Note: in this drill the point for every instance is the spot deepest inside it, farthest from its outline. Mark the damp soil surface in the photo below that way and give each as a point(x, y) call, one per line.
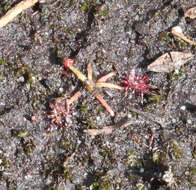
point(153, 142)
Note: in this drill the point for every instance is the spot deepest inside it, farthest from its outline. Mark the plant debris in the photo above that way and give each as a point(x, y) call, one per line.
point(12, 13)
point(104, 130)
point(168, 62)
point(191, 13)
point(177, 31)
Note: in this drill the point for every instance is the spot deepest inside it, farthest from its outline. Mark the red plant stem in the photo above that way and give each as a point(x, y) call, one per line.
point(106, 77)
point(105, 104)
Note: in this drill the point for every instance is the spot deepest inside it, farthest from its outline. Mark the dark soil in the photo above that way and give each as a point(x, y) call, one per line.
point(153, 145)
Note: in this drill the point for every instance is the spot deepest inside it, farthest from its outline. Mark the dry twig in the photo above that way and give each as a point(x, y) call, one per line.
point(12, 13)
point(106, 130)
point(177, 31)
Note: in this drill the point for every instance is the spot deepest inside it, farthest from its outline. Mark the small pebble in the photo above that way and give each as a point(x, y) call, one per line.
point(61, 90)
point(189, 121)
point(173, 120)
point(141, 170)
point(183, 108)
point(21, 79)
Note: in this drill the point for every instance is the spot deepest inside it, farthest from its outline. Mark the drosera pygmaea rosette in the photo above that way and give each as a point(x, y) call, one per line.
point(137, 83)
